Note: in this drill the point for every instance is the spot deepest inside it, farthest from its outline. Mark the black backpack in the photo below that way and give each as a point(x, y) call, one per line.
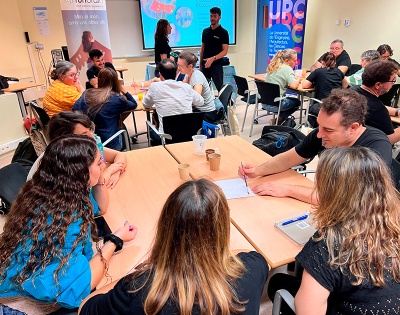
point(25, 151)
point(275, 142)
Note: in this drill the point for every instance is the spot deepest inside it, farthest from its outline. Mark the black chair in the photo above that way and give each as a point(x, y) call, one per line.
point(40, 114)
point(12, 178)
point(267, 93)
point(178, 128)
point(391, 98)
point(395, 168)
point(226, 99)
point(353, 69)
point(244, 91)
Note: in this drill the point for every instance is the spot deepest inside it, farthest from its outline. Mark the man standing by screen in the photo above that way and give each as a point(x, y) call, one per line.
point(214, 46)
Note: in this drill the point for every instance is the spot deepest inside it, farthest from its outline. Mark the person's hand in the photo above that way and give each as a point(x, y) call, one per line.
point(208, 62)
point(248, 170)
point(123, 89)
point(113, 180)
point(135, 85)
point(94, 82)
point(127, 232)
point(271, 189)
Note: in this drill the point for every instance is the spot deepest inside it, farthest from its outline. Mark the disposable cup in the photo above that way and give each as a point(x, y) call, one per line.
point(198, 143)
point(215, 160)
point(140, 96)
point(209, 151)
point(184, 171)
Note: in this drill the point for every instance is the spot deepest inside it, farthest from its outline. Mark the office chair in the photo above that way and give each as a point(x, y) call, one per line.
point(226, 99)
point(354, 67)
point(178, 128)
point(126, 145)
point(40, 114)
point(267, 93)
point(246, 93)
point(280, 296)
point(12, 178)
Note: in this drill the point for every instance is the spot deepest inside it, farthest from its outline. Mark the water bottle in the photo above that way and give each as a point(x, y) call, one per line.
point(100, 146)
point(198, 60)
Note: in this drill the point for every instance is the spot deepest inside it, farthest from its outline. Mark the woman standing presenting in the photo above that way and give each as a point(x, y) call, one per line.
point(105, 105)
point(65, 89)
point(280, 71)
point(161, 42)
point(191, 269)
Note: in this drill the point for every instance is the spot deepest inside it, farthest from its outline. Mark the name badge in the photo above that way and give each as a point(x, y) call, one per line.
point(216, 37)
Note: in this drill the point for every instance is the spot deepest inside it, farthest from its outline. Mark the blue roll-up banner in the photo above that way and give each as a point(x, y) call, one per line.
point(86, 28)
point(287, 22)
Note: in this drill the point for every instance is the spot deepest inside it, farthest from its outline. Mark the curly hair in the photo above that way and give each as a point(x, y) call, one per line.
point(378, 71)
point(190, 259)
point(64, 123)
point(57, 196)
point(279, 59)
point(358, 214)
point(108, 84)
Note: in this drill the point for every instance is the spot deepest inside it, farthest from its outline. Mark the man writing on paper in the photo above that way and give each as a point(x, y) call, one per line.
point(341, 124)
point(169, 96)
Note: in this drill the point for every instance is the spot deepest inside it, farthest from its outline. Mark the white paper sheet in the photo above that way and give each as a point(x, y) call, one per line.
point(235, 188)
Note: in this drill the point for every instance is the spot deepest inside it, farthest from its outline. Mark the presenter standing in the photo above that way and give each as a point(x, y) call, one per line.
point(214, 46)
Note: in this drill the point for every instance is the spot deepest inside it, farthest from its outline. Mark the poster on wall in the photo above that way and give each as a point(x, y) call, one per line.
point(287, 22)
point(86, 28)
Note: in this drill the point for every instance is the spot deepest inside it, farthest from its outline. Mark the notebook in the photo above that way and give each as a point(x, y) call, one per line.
point(298, 227)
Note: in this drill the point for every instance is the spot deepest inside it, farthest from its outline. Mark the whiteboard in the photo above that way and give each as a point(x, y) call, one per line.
point(125, 30)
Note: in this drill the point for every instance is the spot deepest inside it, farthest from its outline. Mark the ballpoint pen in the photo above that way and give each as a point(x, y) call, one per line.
point(244, 177)
point(301, 218)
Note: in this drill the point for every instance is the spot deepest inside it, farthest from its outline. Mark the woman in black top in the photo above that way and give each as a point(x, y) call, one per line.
point(161, 42)
point(191, 269)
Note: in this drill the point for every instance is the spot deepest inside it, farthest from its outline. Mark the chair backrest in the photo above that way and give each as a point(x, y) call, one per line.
point(226, 96)
point(354, 67)
point(395, 168)
point(12, 178)
point(267, 92)
point(242, 85)
point(41, 116)
point(182, 127)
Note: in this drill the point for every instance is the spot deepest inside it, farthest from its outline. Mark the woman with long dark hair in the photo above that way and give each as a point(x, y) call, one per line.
point(191, 269)
point(45, 248)
point(105, 105)
point(162, 50)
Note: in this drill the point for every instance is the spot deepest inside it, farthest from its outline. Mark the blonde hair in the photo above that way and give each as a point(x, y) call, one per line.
point(279, 59)
point(191, 260)
point(358, 214)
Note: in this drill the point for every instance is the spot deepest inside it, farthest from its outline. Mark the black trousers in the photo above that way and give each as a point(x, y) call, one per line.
point(216, 73)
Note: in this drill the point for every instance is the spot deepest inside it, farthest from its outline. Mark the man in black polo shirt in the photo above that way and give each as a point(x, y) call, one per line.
point(377, 79)
point(341, 124)
point(92, 73)
point(343, 61)
point(214, 46)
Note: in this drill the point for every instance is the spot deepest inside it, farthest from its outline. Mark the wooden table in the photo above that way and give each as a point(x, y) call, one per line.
point(150, 177)
point(18, 88)
point(302, 92)
point(121, 69)
point(395, 120)
point(254, 216)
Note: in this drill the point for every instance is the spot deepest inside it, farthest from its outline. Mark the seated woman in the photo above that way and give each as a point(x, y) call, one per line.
point(386, 53)
point(45, 248)
point(352, 263)
point(324, 79)
point(280, 71)
point(186, 65)
point(105, 105)
point(67, 123)
point(65, 89)
point(191, 269)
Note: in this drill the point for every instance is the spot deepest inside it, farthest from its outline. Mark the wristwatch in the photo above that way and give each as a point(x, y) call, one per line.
point(397, 112)
point(114, 239)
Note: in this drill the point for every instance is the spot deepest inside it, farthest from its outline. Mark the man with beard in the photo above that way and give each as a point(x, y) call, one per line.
point(341, 124)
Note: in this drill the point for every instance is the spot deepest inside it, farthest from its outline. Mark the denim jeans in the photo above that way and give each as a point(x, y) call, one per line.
point(288, 107)
point(5, 310)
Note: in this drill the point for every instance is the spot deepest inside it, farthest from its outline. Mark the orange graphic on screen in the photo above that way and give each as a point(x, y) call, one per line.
point(161, 7)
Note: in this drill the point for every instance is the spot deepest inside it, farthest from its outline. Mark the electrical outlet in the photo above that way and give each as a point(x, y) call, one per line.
point(346, 22)
point(39, 46)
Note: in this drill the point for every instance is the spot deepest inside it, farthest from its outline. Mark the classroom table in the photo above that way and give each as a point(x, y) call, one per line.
point(121, 69)
point(18, 88)
point(300, 91)
point(395, 120)
point(150, 177)
point(254, 216)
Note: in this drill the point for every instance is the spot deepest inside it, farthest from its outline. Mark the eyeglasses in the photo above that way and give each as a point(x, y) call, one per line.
point(335, 48)
point(392, 81)
point(72, 75)
point(385, 57)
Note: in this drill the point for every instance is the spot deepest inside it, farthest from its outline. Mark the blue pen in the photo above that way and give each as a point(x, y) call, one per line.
point(301, 218)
